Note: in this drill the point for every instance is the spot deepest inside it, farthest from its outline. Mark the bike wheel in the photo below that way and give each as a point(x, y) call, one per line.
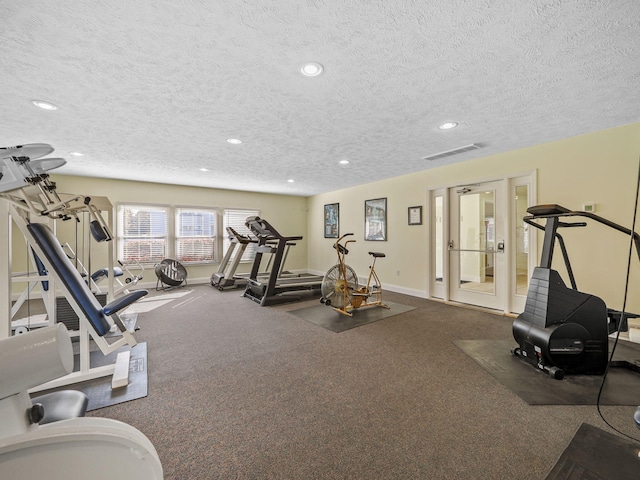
point(338, 289)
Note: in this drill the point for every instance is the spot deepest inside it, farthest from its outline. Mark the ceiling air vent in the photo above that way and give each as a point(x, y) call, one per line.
point(455, 151)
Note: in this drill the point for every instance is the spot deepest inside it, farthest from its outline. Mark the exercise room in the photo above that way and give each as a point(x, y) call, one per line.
point(319, 240)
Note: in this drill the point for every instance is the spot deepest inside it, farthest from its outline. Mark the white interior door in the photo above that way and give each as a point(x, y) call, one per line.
point(478, 265)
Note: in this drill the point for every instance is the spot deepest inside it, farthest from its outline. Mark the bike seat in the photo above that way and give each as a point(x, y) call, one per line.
point(377, 254)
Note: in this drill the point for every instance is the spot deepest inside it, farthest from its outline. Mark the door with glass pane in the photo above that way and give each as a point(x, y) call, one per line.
point(438, 259)
point(477, 263)
point(523, 243)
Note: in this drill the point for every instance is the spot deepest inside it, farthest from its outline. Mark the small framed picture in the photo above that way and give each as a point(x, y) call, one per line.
point(331, 220)
point(415, 215)
point(375, 219)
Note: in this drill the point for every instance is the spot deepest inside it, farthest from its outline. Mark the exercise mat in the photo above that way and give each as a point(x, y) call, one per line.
point(596, 454)
point(328, 318)
point(538, 388)
point(99, 389)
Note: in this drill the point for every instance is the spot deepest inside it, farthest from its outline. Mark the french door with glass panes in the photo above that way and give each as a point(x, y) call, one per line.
point(479, 244)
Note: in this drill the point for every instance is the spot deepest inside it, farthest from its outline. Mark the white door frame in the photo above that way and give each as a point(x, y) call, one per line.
point(442, 291)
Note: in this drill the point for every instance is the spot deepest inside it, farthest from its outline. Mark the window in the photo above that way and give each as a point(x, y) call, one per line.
point(235, 219)
point(142, 233)
point(195, 235)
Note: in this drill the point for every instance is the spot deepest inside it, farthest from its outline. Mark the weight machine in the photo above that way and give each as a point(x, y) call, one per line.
point(23, 325)
point(38, 440)
point(95, 279)
point(30, 198)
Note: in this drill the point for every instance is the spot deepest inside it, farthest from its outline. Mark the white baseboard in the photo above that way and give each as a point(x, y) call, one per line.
point(207, 280)
point(406, 291)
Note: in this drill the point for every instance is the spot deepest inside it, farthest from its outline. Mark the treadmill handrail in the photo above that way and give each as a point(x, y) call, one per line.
point(239, 237)
point(265, 232)
point(569, 213)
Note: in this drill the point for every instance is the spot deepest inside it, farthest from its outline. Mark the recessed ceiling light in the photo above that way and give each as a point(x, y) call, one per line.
point(76, 154)
point(448, 125)
point(234, 141)
point(203, 169)
point(311, 69)
point(344, 162)
point(291, 180)
point(44, 105)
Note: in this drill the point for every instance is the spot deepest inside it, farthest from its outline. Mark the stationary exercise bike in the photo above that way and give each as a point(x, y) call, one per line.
point(340, 283)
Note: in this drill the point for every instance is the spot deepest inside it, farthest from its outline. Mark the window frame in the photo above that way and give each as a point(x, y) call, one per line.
point(250, 252)
point(177, 237)
point(171, 235)
point(122, 235)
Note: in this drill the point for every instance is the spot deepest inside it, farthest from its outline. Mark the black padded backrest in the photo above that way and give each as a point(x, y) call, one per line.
point(97, 232)
point(71, 278)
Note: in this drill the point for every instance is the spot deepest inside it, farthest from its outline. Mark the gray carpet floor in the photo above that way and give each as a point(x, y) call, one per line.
point(239, 391)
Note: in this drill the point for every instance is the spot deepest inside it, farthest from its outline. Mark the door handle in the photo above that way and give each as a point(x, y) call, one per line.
point(471, 250)
point(500, 247)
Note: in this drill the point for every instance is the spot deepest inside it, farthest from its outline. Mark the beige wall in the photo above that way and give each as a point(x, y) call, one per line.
point(286, 213)
point(601, 167)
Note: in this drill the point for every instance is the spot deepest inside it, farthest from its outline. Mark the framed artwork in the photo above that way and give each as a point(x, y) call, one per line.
point(375, 219)
point(415, 215)
point(331, 220)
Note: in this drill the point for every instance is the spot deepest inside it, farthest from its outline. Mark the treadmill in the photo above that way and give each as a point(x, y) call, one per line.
point(275, 288)
point(226, 275)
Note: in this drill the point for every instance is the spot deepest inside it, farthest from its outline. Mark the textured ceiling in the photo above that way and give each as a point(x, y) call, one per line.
point(151, 89)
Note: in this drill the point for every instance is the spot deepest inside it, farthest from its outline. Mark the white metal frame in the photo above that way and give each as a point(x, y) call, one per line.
point(27, 193)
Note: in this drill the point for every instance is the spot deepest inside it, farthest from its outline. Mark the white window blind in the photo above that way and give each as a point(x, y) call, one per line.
point(142, 233)
point(195, 235)
point(235, 219)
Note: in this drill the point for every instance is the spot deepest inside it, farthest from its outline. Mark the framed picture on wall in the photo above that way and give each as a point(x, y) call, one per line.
point(415, 215)
point(331, 220)
point(375, 219)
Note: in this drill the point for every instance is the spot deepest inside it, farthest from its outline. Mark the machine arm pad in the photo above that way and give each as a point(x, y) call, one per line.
point(123, 302)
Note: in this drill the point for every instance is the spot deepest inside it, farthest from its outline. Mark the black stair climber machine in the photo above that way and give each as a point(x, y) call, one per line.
point(562, 330)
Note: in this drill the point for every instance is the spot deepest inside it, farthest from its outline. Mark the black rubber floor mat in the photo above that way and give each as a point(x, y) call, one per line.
point(328, 318)
point(537, 388)
point(594, 454)
point(99, 390)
